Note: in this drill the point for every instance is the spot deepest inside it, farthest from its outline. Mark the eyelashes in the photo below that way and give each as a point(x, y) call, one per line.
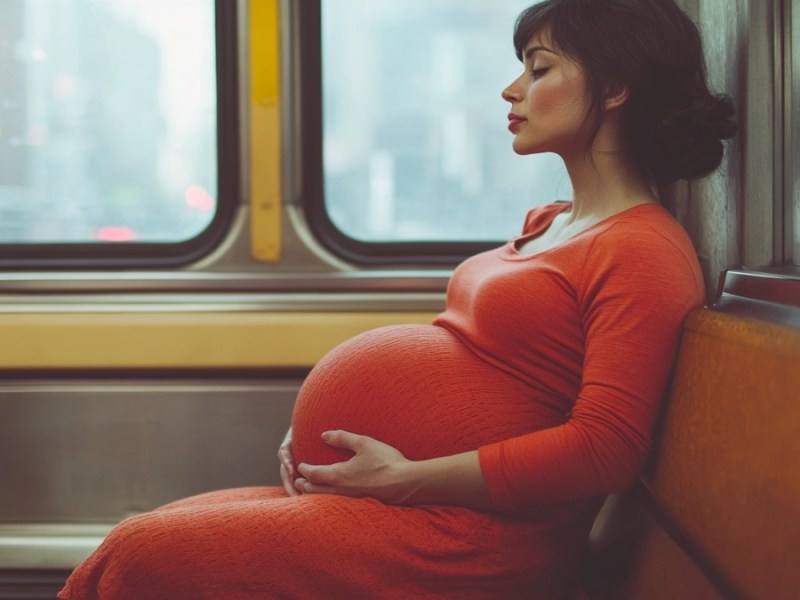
point(538, 73)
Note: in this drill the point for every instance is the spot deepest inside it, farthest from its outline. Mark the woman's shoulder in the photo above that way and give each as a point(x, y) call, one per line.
point(647, 228)
point(644, 244)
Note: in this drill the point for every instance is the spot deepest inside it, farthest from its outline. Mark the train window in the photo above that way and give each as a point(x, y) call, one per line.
point(415, 146)
point(109, 128)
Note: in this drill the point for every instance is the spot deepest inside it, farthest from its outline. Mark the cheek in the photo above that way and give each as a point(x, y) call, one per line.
point(548, 97)
point(558, 96)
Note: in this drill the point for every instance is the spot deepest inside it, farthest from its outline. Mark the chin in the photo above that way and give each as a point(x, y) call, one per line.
point(526, 150)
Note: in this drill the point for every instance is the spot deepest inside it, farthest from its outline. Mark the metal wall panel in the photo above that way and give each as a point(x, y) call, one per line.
point(711, 208)
point(82, 452)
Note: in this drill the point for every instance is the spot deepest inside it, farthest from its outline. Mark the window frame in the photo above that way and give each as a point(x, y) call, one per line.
point(105, 255)
point(788, 49)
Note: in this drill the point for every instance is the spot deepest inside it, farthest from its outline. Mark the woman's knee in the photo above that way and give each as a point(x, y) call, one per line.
point(144, 556)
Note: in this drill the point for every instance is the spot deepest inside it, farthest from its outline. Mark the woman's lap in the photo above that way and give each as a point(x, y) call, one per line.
point(259, 543)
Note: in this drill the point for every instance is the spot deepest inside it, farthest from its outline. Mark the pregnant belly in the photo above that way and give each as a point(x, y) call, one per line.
point(417, 388)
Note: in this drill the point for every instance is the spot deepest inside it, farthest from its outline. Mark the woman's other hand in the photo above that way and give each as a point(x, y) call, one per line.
point(380, 471)
point(288, 470)
point(375, 471)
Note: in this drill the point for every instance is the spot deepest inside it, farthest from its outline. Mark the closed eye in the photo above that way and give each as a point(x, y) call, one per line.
point(537, 73)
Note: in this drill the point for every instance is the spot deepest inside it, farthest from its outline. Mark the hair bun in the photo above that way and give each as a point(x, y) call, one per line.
point(687, 142)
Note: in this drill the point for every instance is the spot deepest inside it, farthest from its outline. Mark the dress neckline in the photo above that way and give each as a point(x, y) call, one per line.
point(513, 246)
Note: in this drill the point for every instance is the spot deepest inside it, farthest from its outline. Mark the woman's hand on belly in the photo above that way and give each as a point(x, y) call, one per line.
point(379, 471)
point(374, 471)
point(288, 470)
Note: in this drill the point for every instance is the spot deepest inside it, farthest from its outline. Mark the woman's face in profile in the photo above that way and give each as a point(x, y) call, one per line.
point(549, 101)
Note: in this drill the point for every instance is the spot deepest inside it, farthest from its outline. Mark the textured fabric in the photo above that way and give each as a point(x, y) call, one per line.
point(259, 544)
point(551, 364)
point(593, 325)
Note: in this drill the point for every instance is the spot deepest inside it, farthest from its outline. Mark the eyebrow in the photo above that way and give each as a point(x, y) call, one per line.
point(534, 49)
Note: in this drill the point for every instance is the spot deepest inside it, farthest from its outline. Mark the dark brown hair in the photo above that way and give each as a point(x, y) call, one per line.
point(673, 125)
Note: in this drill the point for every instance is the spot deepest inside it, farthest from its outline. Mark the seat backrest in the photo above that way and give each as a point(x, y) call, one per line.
point(722, 490)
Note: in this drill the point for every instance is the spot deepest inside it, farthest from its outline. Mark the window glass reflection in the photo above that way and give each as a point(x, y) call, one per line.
point(107, 120)
point(415, 138)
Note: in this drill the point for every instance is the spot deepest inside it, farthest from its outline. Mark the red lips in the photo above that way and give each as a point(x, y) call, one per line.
point(514, 121)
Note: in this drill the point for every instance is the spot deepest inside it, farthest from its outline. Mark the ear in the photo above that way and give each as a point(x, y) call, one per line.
point(616, 98)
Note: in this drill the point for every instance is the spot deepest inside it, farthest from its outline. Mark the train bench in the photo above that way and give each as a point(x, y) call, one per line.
point(716, 514)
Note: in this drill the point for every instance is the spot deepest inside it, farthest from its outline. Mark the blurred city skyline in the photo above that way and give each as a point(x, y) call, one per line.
point(416, 145)
point(108, 125)
point(108, 121)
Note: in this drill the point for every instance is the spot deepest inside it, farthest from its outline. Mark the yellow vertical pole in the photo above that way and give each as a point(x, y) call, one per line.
point(265, 130)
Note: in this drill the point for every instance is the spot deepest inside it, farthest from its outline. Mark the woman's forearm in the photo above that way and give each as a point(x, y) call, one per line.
point(453, 480)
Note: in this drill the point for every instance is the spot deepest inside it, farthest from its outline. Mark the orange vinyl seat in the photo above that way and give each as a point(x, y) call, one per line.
point(716, 514)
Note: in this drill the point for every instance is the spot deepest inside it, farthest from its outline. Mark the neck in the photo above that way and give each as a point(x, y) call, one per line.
point(605, 182)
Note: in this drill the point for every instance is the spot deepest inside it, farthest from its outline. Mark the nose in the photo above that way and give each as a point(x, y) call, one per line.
point(511, 93)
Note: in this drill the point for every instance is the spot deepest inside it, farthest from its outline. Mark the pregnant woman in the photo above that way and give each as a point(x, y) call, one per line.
point(466, 459)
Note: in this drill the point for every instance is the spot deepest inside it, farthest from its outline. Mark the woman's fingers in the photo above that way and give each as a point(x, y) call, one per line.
point(287, 460)
point(319, 474)
point(306, 487)
point(287, 466)
point(289, 484)
point(344, 439)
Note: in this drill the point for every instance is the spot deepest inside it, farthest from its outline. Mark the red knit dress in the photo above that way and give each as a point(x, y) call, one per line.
point(551, 364)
